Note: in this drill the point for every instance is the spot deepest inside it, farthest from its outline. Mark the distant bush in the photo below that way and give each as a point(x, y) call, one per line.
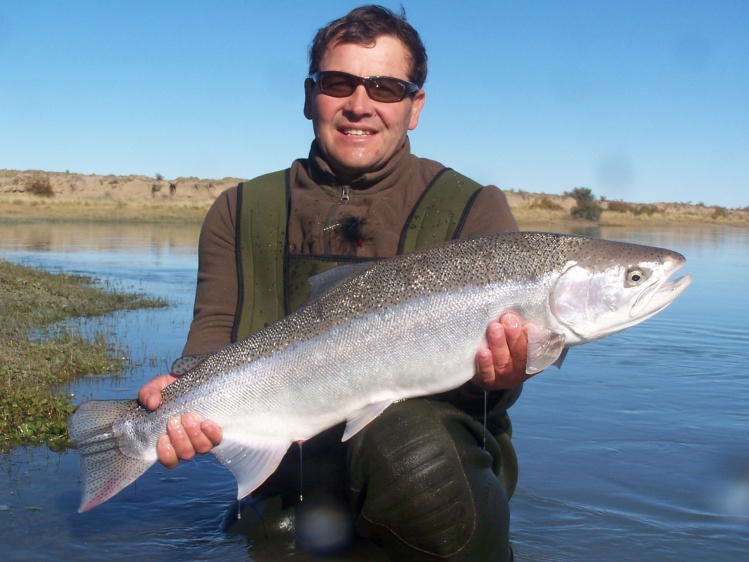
point(719, 213)
point(620, 207)
point(40, 185)
point(587, 208)
point(546, 204)
point(648, 210)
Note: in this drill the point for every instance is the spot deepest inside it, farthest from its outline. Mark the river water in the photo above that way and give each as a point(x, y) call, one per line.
point(637, 449)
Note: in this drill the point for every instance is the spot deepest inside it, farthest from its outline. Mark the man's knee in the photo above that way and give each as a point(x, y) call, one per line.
point(420, 480)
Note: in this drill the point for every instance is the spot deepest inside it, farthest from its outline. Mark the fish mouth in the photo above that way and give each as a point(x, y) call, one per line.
point(659, 295)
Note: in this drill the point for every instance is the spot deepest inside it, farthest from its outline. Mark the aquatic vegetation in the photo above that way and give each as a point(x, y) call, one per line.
point(40, 356)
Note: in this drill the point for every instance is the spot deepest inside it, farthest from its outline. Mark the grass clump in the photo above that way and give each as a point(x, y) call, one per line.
point(40, 358)
point(634, 208)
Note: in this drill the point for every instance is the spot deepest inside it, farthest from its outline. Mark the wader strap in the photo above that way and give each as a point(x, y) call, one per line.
point(441, 211)
point(262, 208)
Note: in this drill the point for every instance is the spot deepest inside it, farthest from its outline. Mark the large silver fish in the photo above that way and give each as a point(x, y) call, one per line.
point(372, 334)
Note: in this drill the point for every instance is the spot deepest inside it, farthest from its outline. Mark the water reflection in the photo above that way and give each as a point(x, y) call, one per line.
point(96, 237)
point(636, 449)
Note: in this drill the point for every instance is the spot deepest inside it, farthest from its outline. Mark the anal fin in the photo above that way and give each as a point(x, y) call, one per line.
point(359, 419)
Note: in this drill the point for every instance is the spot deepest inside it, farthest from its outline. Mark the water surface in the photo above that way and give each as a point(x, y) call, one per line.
point(637, 449)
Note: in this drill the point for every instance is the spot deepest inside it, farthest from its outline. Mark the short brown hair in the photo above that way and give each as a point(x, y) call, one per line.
point(362, 26)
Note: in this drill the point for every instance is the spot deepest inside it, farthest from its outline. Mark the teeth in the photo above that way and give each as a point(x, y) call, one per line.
point(357, 132)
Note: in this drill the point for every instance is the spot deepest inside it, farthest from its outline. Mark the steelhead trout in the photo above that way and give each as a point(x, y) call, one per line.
point(374, 333)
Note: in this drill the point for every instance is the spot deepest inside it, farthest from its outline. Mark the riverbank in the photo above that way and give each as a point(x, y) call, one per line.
point(62, 196)
point(41, 354)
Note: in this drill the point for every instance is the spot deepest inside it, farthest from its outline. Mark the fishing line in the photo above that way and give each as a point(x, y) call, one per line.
point(301, 473)
point(486, 398)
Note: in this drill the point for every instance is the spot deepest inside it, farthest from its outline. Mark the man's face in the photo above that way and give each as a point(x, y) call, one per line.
point(356, 134)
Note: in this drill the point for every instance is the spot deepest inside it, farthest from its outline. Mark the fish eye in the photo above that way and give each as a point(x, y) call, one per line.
point(635, 276)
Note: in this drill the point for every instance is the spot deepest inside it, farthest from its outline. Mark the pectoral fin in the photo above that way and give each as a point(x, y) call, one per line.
point(250, 462)
point(358, 420)
point(545, 347)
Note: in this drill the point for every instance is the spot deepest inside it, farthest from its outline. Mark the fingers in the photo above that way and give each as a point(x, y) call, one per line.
point(212, 431)
point(501, 364)
point(150, 394)
point(516, 341)
point(165, 452)
point(185, 437)
point(484, 376)
point(499, 342)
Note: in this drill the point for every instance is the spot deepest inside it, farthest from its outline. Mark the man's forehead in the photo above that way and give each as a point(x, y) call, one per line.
point(387, 54)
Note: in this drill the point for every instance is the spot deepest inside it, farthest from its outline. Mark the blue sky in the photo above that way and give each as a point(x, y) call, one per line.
point(639, 100)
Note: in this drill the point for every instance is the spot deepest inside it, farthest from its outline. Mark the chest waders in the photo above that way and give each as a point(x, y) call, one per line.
point(469, 523)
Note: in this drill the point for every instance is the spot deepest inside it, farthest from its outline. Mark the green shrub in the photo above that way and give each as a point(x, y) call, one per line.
point(586, 208)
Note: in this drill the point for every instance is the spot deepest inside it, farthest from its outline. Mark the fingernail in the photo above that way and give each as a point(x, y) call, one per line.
point(174, 423)
point(189, 420)
point(510, 321)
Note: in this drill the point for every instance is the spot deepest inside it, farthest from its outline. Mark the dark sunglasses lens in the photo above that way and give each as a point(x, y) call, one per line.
point(385, 89)
point(337, 85)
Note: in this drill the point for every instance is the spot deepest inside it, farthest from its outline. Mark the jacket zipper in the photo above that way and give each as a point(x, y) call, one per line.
point(327, 231)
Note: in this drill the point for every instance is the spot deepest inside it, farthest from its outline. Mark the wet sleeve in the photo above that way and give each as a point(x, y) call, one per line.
point(490, 212)
point(217, 286)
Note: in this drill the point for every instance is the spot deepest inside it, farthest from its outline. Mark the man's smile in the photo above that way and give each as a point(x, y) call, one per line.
point(357, 132)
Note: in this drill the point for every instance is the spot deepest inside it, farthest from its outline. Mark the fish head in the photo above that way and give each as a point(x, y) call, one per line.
point(612, 286)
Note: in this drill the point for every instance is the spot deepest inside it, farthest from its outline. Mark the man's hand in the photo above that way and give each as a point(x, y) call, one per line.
point(185, 436)
point(501, 364)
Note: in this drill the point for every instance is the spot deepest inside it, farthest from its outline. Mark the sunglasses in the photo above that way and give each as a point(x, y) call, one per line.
point(379, 88)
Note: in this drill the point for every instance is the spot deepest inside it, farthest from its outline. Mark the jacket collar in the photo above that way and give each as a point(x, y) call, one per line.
point(321, 173)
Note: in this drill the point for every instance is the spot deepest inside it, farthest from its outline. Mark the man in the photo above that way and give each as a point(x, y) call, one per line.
point(418, 479)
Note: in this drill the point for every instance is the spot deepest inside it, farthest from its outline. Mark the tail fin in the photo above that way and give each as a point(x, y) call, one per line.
point(104, 469)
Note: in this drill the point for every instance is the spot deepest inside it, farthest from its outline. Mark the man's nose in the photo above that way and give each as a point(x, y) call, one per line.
point(359, 102)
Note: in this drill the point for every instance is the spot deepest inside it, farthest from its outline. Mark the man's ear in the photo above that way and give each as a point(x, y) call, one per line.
point(416, 106)
point(309, 87)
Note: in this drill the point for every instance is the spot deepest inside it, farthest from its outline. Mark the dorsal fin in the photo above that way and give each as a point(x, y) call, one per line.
point(186, 363)
point(327, 280)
